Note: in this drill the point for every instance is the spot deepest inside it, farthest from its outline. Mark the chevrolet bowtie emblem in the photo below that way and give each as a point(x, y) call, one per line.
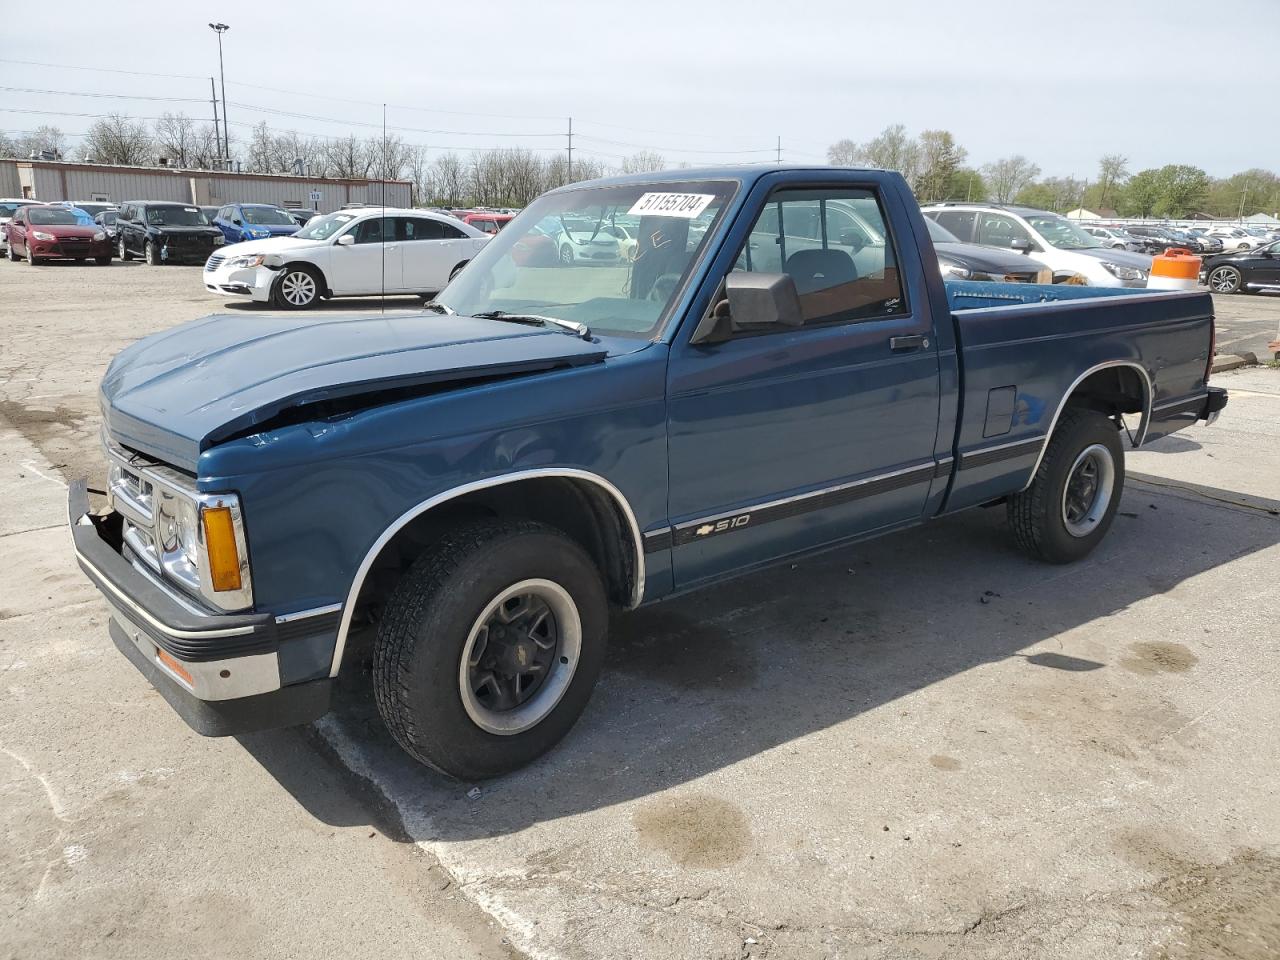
point(703, 530)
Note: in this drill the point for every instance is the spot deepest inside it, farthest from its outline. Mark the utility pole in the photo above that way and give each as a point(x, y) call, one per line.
point(1243, 195)
point(569, 175)
point(217, 138)
point(220, 29)
point(779, 149)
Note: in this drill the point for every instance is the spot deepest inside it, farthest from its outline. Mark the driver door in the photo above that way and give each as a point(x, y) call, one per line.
point(370, 266)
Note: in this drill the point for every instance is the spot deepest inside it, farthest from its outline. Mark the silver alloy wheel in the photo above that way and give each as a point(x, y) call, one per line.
point(566, 255)
point(122, 250)
point(298, 288)
point(1088, 490)
point(1224, 280)
point(520, 657)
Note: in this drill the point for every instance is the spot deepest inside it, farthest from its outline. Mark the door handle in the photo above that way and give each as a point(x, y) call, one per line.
point(915, 341)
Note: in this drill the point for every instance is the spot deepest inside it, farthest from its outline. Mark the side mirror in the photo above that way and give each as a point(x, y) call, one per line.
point(753, 302)
point(852, 238)
point(1020, 244)
point(346, 240)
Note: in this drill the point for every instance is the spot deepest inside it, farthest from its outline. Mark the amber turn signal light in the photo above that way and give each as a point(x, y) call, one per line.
point(220, 546)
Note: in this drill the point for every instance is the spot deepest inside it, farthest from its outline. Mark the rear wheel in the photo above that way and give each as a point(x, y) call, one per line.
point(1224, 279)
point(151, 253)
point(566, 255)
point(12, 253)
point(1069, 506)
point(457, 270)
point(489, 647)
point(297, 289)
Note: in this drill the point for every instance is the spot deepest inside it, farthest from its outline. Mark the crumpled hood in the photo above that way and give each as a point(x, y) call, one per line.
point(270, 245)
point(174, 394)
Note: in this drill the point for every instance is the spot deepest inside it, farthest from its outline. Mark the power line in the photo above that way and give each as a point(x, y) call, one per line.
point(74, 66)
point(107, 96)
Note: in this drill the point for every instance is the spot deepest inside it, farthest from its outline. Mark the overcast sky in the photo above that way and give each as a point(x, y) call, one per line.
point(1062, 81)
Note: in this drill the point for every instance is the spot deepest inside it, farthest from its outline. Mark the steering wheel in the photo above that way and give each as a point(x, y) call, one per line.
point(663, 287)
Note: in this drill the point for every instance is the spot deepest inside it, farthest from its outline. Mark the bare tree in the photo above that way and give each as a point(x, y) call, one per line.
point(9, 146)
point(178, 138)
point(117, 139)
point(1007, 176)
point(43, 139)
point(348, 157)
point(844, 153)
point(646, 161)
point(1113, 170)
point(448, 179)
point(206, 152)
point(418, 169)
point(892, 149)
point(388, 156)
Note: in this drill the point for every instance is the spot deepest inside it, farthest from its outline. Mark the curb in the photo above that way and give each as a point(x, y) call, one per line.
point(1233, 361)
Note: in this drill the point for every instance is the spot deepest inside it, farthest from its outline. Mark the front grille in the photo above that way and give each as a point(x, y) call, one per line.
point(145, 493)
point(214, 262)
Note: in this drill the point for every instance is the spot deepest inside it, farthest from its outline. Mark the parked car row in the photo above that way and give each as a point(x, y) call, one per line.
point(1244, 271)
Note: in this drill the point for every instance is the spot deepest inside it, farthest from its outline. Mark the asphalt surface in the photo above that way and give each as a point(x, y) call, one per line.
point(926, 746)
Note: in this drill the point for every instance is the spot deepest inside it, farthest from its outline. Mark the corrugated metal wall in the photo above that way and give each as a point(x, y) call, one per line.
point(10, 185)
point(57, 181)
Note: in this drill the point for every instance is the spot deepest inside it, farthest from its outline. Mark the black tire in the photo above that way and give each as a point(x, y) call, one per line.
point(102, 261)
point(297, 288)
point(151, 254)
point(457, 270)
point(12, 253)
point(1224, 279)
point(32, 258)
point(125, 255)
point(1038, 515)
point(425, 630)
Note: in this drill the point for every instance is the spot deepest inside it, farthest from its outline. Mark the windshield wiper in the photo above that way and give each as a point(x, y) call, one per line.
point(437, 307)
point(533, 319)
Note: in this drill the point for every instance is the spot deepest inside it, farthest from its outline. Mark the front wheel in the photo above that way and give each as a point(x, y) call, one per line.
point(31, 257)
point(1069, 506)
point(566, 255)
point(151, 253)
point(125, 255)
point(297, 289)
point(1224, 280)
point(489, 647)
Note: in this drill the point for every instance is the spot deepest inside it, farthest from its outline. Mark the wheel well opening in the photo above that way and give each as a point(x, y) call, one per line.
point(311, 268)
point(584, 510)
point(1112, 391)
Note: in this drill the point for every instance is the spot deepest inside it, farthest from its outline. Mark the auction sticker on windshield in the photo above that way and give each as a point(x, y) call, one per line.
point(685, 205)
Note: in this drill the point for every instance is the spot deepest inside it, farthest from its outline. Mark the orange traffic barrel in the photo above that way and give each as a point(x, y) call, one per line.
point(1175, 269)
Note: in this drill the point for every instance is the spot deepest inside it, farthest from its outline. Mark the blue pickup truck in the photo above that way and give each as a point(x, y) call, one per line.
point(740, 367)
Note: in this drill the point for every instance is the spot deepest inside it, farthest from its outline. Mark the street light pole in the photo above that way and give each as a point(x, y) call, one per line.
point(220, 29)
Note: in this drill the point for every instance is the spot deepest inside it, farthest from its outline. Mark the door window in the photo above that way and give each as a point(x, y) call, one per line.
point(959, 222)
point(450, 232)
point(836, 246)
point(418, 228)
point(997, 230)
point(375, 230)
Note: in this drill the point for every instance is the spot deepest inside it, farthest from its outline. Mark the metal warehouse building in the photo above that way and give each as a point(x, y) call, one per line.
point(62, 180)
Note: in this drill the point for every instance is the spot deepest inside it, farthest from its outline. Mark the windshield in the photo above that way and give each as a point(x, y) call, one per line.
point(1061, 233)
point(108, 217)
point(176, 217)
point(268, 216)
point(93, 209)
point(939, 233)
point(563, 256)
point(325, 227)
point(52, 216)
point(7, 209)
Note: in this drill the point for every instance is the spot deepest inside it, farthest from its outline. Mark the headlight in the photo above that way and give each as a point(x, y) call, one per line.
point(41, 235)
point(255, 260)
point(260, 234)
point(100, 235)
point(954, 270)
point(219, 240)
point(1124, 273)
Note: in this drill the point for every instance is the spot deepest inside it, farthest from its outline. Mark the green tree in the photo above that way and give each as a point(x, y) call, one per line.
point(1039, 195)
point(966, 184)
point(1141, 194)
point(940, 158)
point(1183, 189)
point(1113, 170)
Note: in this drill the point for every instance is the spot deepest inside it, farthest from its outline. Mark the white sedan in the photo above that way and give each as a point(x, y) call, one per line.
point(351, 253)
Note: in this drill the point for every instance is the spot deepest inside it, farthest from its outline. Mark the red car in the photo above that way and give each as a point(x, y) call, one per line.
point(52, 233)
point(490, 223)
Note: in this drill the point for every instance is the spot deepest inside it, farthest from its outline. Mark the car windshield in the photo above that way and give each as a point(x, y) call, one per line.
point(52, 216)
point(268, 217)
point(325, 227)
point(93, 209)
point(108, 217)
point(8, 209)
point(612, 288)
point(1061, 233)
point(176, 217)
point(939, 233)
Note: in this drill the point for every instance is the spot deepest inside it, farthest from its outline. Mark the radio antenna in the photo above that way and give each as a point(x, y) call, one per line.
point(382, 186)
